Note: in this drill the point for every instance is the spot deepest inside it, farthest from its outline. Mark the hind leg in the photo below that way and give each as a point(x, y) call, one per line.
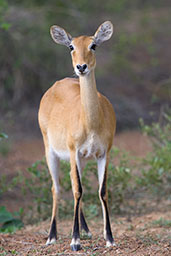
point(103, 195)
point(81, 165)
point(53, 165)
point(84, 225)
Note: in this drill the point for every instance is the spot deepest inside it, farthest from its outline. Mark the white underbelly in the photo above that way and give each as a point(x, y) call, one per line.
point(91, 148)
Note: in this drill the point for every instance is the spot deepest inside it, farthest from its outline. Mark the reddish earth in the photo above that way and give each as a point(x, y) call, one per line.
point(141, 235)
point(137, 237)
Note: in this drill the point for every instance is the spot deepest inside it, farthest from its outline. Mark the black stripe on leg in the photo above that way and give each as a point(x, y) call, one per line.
point(76, 223)
point(53, 231)
point(109, 236)
point(83, 222)
point(76, 233)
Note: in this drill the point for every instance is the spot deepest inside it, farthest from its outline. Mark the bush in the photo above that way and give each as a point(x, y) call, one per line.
point(4, 146)
point(9, 222)
point(156, 168)
point(119, 179)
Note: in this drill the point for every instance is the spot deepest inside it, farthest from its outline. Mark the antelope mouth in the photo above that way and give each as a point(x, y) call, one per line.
point(82, 73)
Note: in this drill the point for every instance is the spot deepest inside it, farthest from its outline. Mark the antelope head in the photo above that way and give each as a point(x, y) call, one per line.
point(83, 47)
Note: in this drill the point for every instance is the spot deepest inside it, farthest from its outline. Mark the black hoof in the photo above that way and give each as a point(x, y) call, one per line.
point(75, 247)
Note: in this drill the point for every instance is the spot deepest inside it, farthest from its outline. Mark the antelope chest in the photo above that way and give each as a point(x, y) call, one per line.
point(92, 147)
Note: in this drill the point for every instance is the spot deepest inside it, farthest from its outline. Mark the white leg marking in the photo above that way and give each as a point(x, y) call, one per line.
point(52, 241)
point(53, 162)
point(109, 244)
point(101, 172)
point(80, 163)
point(101, 164)
point(75, 241)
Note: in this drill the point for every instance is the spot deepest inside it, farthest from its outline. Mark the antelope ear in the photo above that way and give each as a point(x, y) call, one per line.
point(103, 33)
point(60, 36)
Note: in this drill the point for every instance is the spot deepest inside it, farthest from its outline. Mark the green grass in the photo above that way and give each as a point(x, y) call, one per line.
point(9, 222)
point(161, 223)
point(147, 239)
point(4, 252)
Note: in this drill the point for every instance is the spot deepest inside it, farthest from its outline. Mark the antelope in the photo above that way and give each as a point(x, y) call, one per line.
point(78, 123)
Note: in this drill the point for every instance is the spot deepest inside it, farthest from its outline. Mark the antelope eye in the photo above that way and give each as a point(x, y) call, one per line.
point(93, 47)
point(71, 47)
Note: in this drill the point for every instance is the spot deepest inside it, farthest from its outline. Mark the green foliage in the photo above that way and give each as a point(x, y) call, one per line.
point(4, 146)
point(10, 222)
point(119, 179)
point(7, 185)
point(92, 210)
point(30, 57)
point(162, 223)
point(3, 184)
point(156, 168)
point(3, 136)
point(3, 9)
point(65, 181)
point(125, 53)
point(147, 239)
point(39, 186)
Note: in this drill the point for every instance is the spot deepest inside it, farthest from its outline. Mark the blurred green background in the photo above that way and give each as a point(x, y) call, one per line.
point(133, 68)
point(133, 71)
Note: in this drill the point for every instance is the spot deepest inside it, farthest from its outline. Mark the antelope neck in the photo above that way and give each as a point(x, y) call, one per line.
point(90, 107)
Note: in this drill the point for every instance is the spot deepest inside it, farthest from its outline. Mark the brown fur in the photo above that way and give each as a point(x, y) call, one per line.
point(73, 116)
point(68, 130)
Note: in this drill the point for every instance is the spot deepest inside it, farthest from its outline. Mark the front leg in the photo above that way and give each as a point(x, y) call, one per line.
point(80, 165)
point(103, 195)
point(77, 192)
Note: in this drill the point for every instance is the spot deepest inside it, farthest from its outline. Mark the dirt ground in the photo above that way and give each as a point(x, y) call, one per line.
point(138, 235)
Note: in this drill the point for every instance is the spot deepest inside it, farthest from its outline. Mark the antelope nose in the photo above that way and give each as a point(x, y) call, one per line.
point(81, 68)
